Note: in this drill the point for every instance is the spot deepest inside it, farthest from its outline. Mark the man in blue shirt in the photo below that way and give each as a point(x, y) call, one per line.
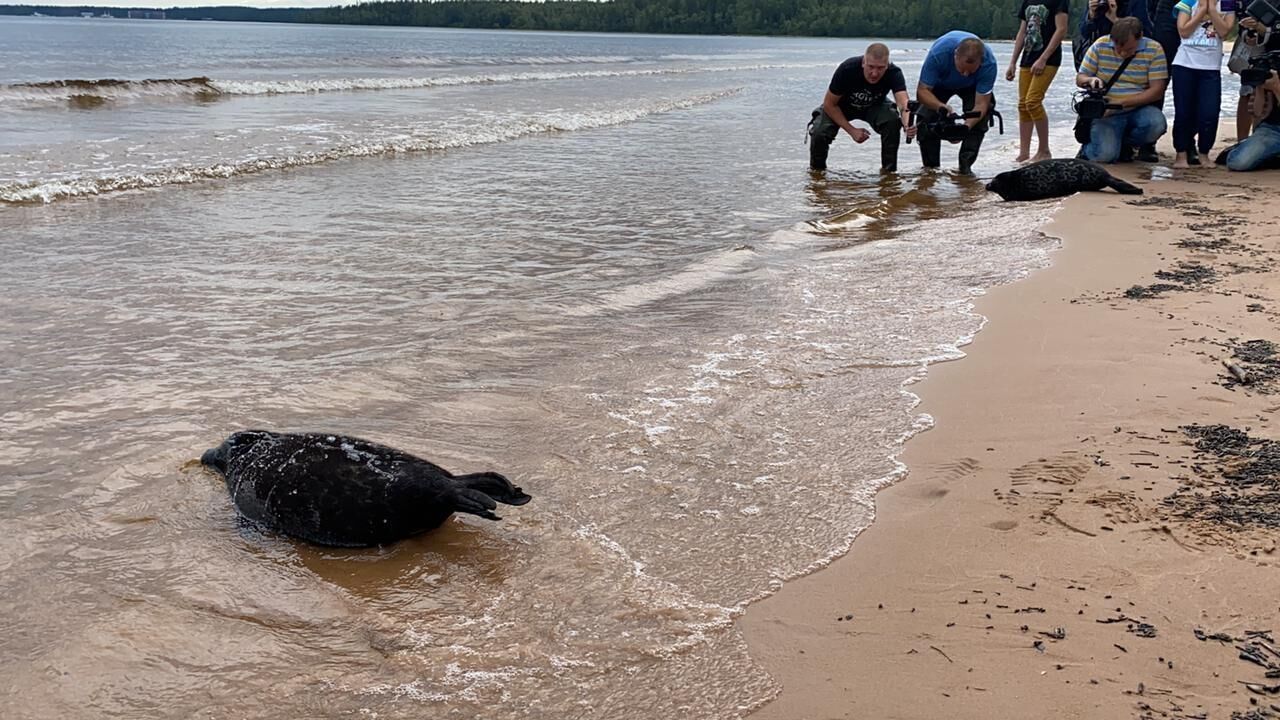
point(958, 65)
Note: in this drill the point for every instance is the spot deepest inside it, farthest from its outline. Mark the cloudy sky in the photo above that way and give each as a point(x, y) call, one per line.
point(185, 3)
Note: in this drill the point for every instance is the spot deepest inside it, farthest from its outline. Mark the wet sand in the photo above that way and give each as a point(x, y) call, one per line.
point(1060, 548)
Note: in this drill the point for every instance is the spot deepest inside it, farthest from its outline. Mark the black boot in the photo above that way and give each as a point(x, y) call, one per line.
point(889, 152)
point(969, 152)
point(818, 150)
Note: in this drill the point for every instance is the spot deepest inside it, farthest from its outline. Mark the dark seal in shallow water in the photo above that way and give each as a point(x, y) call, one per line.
point(347, 492)
point(1056, 178)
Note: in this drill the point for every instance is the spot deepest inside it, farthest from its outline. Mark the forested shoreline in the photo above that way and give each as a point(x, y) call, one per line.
point(822, 18)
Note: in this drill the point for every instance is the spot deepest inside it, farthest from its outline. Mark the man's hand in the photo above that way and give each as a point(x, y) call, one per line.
point(1096, 6)
point(945, 111)
point(1009, 74)
point(1037, 68)
point(911, 131)
point(1111, 10)
point(1252, 25)
point(1095, 83)
point(860, 135)
point(1272, 84)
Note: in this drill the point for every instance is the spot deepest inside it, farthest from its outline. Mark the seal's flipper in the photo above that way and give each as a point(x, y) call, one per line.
point(1123, 187)
point(475, 502)
point(495, 486)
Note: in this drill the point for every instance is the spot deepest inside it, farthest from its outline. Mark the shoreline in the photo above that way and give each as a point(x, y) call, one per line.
point(1038, 560)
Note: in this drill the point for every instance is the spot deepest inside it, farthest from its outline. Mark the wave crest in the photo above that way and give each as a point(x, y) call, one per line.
point(47, 191)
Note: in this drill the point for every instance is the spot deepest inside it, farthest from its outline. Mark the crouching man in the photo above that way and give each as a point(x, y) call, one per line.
point(1133, 72)
point(859, 91)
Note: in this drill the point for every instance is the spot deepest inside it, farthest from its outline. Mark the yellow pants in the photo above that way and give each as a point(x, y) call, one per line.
point(1031, 90)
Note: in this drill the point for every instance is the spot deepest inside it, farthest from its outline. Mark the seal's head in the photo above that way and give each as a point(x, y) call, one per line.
point(235, 444)
point(1000, 184)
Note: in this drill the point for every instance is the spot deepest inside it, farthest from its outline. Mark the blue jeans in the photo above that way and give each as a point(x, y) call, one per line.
point(1140, 126)
point(1256, 149)
point(1197, 103)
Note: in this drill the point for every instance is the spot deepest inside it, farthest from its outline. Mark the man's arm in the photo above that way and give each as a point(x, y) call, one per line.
point(831, 106)
point(1060, 22)
point(1017, 50)
point(1088, 74)
point(904, 113)
point(981, 104)
point(925, 96)
point(1153, 94)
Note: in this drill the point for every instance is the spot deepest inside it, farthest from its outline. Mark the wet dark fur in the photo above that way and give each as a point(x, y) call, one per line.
point(347, 492)
point(1056, 178)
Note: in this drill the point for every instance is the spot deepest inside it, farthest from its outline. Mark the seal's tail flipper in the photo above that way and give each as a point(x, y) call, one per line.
point(1123, 187)
point(476, 503)
point(495, 486)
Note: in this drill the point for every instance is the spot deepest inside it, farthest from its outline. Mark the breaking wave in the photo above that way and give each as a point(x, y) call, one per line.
point(47, 191)
point(89, 92)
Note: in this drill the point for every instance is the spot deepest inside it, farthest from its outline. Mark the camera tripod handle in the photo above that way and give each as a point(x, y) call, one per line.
point(913, 108)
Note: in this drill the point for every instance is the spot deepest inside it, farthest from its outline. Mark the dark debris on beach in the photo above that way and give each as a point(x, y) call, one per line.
point(1255, 364)
point(1188, 273)
point(1186, 276)
point(1145, 292)
point(1258, 648)
point(1242, 488)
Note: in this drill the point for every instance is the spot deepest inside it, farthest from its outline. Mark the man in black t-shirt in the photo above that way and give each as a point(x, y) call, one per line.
point(858, 91)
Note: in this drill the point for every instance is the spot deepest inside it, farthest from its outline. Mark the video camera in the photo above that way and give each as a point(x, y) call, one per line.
point(951, 127)
point(1091, 104)
point(1260, 68)
point(1264, 11)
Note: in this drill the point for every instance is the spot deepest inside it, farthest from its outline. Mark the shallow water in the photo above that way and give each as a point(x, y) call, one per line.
point(596, 264)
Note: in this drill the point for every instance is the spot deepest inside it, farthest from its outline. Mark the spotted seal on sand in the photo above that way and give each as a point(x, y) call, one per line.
point(1056, 178)
point(347, 492)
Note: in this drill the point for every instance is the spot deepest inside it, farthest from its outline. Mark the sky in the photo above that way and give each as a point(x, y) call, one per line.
point(162, 4)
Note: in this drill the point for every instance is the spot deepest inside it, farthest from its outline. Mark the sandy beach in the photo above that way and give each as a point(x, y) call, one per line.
point(1062, 548)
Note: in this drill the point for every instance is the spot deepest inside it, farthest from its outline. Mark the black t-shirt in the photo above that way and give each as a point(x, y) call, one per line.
point(856, 94)
point(1042, 21)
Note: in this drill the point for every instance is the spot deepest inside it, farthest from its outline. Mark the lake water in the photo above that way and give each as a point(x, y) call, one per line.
point(597, 264)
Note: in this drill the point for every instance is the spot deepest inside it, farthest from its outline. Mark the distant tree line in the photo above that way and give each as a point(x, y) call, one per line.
point(995, 19)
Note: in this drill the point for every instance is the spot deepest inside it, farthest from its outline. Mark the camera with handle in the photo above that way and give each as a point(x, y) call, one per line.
point(951, 126)
point(1260, 69)
point(1091, 104)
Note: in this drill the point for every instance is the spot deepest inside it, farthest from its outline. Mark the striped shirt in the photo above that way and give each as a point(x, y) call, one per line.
point(1148, 66)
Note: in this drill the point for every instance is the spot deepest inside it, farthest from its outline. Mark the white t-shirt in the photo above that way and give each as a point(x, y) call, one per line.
point(1203, 50)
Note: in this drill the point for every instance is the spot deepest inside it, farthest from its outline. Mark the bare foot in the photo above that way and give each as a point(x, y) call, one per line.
point(1042, 155)
point(1180, 162)
point(1022, 157)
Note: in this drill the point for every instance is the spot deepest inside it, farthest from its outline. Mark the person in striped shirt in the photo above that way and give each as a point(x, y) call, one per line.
point(1139, 91)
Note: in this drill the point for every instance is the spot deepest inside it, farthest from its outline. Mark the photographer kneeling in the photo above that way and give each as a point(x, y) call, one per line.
point(958, 63)
point(1125, 75)
point(1264, 144)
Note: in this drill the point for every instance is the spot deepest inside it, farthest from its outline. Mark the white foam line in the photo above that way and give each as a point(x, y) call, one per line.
point(16, 94)
point(52, 190)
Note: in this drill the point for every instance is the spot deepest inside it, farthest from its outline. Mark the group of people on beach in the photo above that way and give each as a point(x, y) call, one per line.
point(1124, 62)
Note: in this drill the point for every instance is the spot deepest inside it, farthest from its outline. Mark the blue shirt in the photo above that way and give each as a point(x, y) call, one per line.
point(939, 71)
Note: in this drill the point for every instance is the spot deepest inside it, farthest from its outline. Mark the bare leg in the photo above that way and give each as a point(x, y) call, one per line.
point(1024, 141)
point(1181, 161)
point(1042, 134)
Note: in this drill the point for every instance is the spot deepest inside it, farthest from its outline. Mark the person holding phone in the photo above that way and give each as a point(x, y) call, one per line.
point(1197, 77)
